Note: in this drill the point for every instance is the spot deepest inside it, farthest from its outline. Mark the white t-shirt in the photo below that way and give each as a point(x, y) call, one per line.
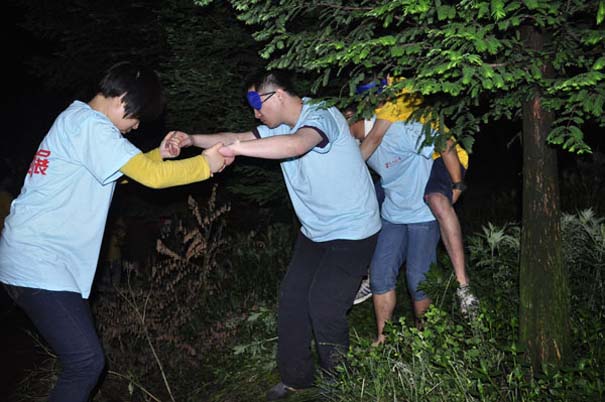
point(404, 166)
point(330, 186)
point(52, 237)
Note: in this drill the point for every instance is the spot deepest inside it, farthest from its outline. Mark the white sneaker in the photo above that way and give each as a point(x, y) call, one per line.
point(469, 304)
point(364, 292)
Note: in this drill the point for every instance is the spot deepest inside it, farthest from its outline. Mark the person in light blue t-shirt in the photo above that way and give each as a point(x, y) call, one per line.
point(51, 239)
point(333, 196)
point(410, 232)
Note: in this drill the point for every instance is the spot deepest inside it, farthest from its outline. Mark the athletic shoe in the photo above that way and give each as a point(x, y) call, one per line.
point(364, 292)
point(469, 303)
point(279, 391)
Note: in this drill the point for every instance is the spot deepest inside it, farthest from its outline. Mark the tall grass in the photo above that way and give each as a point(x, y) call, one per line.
point(481, 360)
point(199, 323)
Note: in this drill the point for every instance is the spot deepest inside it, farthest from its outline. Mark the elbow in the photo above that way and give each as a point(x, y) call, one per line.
point(155, 185)
point(299, 150)
point(372, 141)
point(296, 149)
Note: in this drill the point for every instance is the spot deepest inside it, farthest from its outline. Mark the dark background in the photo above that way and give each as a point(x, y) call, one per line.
point(28, 109)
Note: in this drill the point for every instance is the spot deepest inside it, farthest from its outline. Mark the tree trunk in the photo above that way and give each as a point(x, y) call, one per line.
point(544, 293)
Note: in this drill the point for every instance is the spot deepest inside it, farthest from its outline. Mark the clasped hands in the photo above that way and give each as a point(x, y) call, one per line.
point(218, 156)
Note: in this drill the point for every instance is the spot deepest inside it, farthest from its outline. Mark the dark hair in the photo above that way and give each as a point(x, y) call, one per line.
point(276, 78)
point(143, 99)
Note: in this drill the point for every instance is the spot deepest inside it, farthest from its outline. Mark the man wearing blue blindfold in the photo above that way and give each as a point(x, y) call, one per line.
point(333, 196)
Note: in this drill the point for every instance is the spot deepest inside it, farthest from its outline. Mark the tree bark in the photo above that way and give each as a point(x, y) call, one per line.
point(544, 292)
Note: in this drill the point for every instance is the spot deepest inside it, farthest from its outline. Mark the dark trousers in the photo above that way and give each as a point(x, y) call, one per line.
point(65, 321)
point(315, 295)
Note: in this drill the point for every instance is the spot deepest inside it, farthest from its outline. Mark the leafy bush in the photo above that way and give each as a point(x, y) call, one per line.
point(175, 325)
point(212, 336)
point(150, 327)
point(445, 361)
point(481, 360)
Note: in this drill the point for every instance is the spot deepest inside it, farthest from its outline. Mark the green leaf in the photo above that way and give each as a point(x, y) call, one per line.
point(599, 64)
point(397, 51)
point(467, 74)
point(601, 12)
point(497, 7)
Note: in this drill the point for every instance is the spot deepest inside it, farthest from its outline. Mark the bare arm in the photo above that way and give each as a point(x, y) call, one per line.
point(453, 167)
point(208, 140)
point(374, 138)
point(276, 147)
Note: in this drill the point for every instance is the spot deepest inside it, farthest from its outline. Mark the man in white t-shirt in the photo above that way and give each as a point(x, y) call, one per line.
point(333, 197)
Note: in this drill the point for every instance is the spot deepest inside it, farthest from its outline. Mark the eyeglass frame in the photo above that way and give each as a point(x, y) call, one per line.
point(255, 99)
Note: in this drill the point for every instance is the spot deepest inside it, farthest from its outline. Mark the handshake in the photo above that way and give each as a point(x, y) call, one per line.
point(219, 156)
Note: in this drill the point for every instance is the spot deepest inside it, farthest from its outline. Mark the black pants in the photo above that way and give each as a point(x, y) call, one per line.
point(315, 295)
point(65, 321)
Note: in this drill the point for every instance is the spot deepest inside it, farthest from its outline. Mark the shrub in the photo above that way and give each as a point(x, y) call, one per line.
point(481, 360)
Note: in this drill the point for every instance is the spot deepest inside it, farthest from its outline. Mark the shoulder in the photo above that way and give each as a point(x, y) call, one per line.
point(319, 112)
point(79, 118)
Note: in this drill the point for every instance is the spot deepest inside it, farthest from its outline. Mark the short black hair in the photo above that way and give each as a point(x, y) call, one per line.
point(277, 78)
point(144, 96)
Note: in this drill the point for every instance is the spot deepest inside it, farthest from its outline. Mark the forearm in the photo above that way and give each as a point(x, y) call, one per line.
point(368, 146)
point(374, 138)
point(279, 146)
point(152, 173)
point(208, 140)
point(452, 163)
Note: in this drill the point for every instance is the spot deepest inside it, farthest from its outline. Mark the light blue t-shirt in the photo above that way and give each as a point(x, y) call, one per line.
point(330, 186)
point(404, 168)
point(52, 236)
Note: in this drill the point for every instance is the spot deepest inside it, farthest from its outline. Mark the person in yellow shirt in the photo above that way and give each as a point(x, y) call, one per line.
point(444, 187)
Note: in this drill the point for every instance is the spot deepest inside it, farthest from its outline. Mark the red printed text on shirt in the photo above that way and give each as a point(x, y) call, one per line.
point(40, 163)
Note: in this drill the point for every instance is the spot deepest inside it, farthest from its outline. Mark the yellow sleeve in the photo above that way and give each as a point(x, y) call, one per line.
point(402, 108)
point(156, 173)
point(155, 155)
point(389, 112)
point(401, 111)
point(462, 156)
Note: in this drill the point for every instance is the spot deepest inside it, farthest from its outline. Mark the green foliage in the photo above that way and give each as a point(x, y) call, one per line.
point(445, 361)
point(261, 184)
point(481, 360)
point(208, 54)
point(148, 323)
point(458, 56)
point(258, 260)
point(206, 296)
point(584, 251)
point(451, 359)
point(245, 368)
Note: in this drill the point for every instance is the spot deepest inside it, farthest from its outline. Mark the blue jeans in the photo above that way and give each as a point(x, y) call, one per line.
point(65, 321)
point(414, 243)
point(315, 295)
